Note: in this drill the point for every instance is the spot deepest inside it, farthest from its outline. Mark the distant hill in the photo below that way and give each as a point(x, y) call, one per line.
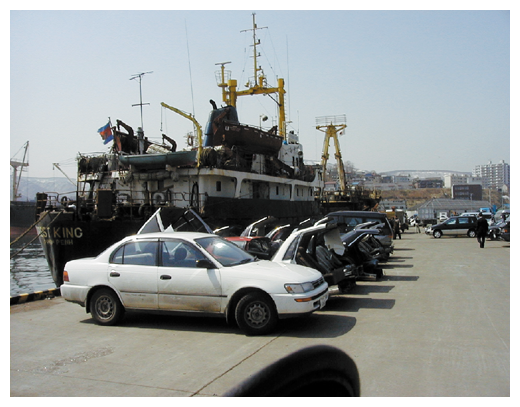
point(29, 186)
point(422, 174)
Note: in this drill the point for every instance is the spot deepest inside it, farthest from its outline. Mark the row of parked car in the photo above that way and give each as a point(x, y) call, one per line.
point(466, 224)
point(252, 280)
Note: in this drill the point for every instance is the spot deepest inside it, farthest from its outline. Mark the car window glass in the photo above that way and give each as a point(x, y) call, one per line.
point(117, 257)
point(291, 251)
point(177, 253)
point(464, 221)
point(138, 253)
point(258, 245)
point(240, 243)
point(352, 222)
point(226, 253)
point(451, 221)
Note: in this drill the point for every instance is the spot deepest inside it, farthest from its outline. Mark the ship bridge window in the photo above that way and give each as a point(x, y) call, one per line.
point(219, 186)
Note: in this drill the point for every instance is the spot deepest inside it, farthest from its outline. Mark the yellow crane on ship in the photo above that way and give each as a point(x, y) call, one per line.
point(348, 197)
point(189, 116)
point(331, 126)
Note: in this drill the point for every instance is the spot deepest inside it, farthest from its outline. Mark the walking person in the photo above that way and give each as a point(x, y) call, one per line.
point(482, 229)
point(397, 228)
point(417, 226)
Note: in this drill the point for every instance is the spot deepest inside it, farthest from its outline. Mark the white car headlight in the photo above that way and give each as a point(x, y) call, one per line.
point(299, 288)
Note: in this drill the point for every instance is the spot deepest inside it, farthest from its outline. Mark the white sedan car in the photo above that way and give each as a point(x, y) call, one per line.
point(192, 272)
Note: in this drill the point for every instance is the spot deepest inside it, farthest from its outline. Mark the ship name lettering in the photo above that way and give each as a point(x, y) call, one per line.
point(66, 233)
point(43, 232)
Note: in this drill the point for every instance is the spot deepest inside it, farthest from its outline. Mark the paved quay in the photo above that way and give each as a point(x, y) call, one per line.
point(437, 324)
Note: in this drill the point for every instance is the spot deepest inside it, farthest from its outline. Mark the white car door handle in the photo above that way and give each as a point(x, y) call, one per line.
point(114, 274)
point(165, 277)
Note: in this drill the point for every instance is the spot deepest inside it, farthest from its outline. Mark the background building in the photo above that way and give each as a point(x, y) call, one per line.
point(388, 204)
point(493, 175)
point(429, 183)
point(471, 192)
point(458, 179)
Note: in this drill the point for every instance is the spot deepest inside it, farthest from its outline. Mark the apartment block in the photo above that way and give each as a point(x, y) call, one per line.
point(493, 175)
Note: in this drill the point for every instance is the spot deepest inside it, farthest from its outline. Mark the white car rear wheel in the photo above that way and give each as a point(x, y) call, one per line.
point(105, 307)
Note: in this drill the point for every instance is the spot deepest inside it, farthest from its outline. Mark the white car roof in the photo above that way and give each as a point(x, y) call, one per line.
point(173, 235)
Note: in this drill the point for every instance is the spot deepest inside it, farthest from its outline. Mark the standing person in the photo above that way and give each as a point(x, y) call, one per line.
point(397, 229)
point(482, 229)
point(417, 226)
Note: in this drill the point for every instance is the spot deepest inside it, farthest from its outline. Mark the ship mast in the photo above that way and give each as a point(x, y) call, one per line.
point(229, 87)
point(139, 77)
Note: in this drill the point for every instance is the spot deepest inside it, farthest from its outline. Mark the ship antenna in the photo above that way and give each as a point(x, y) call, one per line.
point(189, 66)
point(255, 43)
point(138, 76)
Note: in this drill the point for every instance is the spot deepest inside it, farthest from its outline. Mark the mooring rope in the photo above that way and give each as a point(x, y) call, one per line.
point(37, 236)
point(28, 230)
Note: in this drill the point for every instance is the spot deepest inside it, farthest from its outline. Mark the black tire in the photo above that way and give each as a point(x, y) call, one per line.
point(256, 314)
point(105, 307)
point(472, 233)
point(346, 285)
point(437, 234)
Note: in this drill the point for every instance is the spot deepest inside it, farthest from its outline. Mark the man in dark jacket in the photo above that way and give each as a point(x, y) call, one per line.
point(482, 229)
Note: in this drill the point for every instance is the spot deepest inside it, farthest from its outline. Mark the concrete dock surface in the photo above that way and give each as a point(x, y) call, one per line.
point(437, 324)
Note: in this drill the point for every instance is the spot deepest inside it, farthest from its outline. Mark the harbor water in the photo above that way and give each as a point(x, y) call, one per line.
point(29, 271)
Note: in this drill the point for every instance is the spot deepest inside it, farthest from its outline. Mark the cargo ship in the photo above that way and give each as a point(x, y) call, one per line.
point(22, 213)
point(233, 174)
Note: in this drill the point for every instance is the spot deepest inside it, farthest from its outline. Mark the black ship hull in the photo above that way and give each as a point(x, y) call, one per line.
point(22, 218)
point(354, 205)
point(242, 212)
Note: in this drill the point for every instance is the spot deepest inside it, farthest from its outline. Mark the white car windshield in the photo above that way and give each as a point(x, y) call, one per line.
point(226, 253)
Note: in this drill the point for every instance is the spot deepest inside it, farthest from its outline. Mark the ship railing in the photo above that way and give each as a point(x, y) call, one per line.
point(52, 200)
point(127, 199)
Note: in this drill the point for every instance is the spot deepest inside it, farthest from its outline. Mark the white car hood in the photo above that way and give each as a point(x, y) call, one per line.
point(283, 271)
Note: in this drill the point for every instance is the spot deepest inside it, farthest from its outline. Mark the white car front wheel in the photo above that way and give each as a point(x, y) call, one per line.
point(256, 314)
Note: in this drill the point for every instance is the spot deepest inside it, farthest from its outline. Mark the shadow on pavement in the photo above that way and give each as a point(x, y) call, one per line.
point(313, 326)
point(386, 277)
point(365, 289)
point(354, 304)
point(318, 325)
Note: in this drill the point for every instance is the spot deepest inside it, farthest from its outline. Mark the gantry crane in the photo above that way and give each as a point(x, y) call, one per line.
point(348, 197)
point(17, 176)
point(331, 126)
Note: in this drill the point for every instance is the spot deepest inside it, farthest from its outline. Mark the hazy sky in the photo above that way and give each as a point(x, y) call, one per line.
point(420, 89)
